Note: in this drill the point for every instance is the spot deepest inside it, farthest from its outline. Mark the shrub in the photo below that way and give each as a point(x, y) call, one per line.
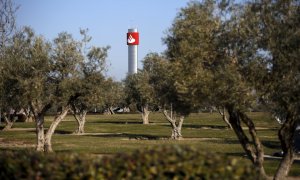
point(175, 162)
point(166, 162)
point(34, 165)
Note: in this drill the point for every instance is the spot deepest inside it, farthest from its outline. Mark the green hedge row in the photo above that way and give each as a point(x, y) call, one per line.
point(171, 162)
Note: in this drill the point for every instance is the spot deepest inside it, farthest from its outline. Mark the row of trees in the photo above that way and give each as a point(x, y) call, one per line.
point(228, 55)
point(65, 74)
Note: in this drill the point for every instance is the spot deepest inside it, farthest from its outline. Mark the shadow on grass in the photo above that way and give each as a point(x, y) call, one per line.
point(193, 126)
point(63, 132)
point(129, 136)
point(272, 144)
point(115, 122)
point(232, 141)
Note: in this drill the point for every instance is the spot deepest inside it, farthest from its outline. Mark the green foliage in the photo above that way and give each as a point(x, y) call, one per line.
point(176, 162)
point(25, 66)
point(113, 93)
point(34, 165)
point(138, 89)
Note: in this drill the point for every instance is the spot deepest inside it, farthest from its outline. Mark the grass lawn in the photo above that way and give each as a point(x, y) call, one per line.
point(110, 134)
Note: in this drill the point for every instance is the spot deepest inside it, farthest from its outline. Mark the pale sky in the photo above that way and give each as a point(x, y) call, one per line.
point(107, 21)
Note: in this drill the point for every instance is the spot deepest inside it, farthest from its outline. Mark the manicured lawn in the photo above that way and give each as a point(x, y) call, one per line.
point(110, 134)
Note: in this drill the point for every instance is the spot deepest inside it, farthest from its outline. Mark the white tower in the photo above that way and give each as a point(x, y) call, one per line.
point(132, 42)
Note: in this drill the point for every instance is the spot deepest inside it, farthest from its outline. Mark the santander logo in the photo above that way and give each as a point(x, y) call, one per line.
point(130, 40)
point(133, 38)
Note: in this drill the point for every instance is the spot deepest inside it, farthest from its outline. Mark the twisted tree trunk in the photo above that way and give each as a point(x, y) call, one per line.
point(176, 128)
point(80, 119)
point(9, 119)
point(222, 112)
point(40, 132)
point(58, 118)
point(8, 123)
point(286, 135)
point(39, 114)
point(145, 114)
point(253, 147)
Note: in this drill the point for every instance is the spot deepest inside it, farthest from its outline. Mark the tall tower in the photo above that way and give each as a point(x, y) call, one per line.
point(132, 42)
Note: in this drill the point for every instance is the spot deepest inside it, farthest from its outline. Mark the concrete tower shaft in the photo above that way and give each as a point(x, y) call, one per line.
point(132, 42)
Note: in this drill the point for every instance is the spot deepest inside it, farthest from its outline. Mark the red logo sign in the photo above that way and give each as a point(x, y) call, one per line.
point(133, 38)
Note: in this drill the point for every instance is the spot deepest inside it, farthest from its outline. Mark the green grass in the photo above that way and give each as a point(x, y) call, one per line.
point(110, 134)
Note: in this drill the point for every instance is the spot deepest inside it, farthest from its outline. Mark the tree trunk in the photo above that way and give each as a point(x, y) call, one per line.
point(258, 147)
point(145, 114)
point(9, 121)
point(28, 114)
point(176, 129)
point(55, 123)
point(111, 110)
point(8, 126)
point(80, 119)
point(179, 126)
point(253, 147)
point(40, 132)
point(285, 165)
point(222, 112)
point(286, 135)
point(38, 112)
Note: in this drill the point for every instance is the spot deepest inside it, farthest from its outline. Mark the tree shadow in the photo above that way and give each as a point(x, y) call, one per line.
point(129, 136)
point(63, 132)
point(115, 122)
point(231, 141)
point(193, 126)
point(272, 144)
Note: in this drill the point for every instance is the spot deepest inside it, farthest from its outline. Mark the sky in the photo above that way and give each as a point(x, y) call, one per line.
point(108, 22)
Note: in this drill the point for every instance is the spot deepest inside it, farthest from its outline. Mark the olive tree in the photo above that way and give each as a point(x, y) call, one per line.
point(207, 51)
point(274, 27)
point(73, 69)
point(42, 75)
point(114, 95)
point(25, 74)
point(162, 79)
point(138, 91)
point(90, 82)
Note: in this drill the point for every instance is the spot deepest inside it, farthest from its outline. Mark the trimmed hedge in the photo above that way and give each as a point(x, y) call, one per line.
point(167, 162)
point(34, 165)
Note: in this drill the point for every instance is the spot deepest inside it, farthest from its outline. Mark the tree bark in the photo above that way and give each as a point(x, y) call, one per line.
point(222, 112)
point(28, 114)
point(38, 112)
point(145, 114)
point(179, 126)
point(285, 165)
point(286, 135)
point(9, 119)
point(80, 119)
point(58, 118)
point(111, 110)
point(253, 148)
point(40, 132)
point(8, 124)
point(258, 147)
point(176, 129)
